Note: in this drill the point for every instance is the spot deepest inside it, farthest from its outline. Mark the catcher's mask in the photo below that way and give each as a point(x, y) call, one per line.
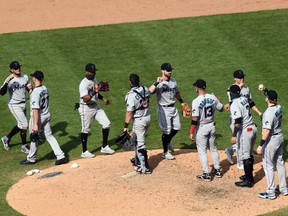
point(124, 140)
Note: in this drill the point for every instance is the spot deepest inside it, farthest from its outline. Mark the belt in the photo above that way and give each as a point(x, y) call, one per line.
point(170, 105)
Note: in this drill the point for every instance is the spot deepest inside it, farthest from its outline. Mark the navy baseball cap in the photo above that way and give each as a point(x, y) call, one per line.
point(200, 83)
point(238, 74)
point(15, 65)
point(235, 89)
point(272, 95)
point(90, 67)
point(166, 66)
point(38, 75)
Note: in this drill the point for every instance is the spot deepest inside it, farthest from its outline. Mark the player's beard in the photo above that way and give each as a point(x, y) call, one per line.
point(90, 77)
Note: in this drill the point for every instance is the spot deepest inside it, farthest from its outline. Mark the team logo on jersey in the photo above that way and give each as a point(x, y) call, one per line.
point(266, 123)
point(235, 113)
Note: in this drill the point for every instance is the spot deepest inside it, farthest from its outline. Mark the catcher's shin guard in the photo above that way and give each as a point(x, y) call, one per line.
point(143, 158)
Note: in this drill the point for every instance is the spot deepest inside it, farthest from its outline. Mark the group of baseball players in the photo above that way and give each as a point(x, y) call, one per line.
point(244, 131)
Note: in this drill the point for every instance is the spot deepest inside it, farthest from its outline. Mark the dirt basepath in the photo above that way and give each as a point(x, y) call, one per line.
point(106, 185)
point(19, 15)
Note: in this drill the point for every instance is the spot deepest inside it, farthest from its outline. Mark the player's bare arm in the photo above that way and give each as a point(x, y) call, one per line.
point(265, 135)
point(194, 123)
point(35, 119)
point(128, 118)
point(153, 87)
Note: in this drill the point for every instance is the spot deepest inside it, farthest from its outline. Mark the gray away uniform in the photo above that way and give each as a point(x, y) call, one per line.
point(39, 99)
point(204, 107)
point(272, 149)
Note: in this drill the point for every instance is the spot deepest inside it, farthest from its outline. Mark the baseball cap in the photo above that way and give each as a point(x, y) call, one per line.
point(15, 65)
point(166, 66)
point(90, 67)
point(200, 83)
point(38, 75)
point(235, 89)
point(239, 74)
point(272, 95)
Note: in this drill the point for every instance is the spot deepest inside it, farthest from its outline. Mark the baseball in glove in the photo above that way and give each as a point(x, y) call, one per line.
point(104, 86)
point(186, 111)
point(124, 140)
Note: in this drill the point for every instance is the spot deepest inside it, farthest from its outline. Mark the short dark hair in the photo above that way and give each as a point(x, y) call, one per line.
point(134, 79)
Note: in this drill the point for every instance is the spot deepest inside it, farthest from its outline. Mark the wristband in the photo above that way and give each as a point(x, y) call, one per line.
point(252, 104)
point(100, 96)
point(155, 83)
point(126, 125)
point(262, 142)
point(92, 94)
point(181, 101)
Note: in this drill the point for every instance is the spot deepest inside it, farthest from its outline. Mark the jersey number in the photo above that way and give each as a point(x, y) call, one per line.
point(208, 111)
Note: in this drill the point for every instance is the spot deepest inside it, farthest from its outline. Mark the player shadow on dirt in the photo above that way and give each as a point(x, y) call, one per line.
point(154, 160)
point(258, 174)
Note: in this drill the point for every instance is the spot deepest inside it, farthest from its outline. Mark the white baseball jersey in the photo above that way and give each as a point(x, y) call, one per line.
point(85, 88)
point(240, 108)
point(17, 89)
point(204, 107)
point(166, 91)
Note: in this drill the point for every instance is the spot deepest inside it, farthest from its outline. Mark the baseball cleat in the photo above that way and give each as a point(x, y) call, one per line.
point(265, 195)
point(107, 150)
point(25, 149)
point(216, 173)
point(168, 156)
point(243, 177)
point(61, 161)
point(229, 156)
point(139, 170)
point(244, 184)
point(277, 191)
point(27, 162)
point(5, 142)
point(204, 177)
point(87, 154)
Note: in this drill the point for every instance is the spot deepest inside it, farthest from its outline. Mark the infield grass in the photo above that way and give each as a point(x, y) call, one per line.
point(201, 47)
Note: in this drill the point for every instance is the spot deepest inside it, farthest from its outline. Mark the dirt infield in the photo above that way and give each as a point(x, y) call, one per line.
point(107, 185)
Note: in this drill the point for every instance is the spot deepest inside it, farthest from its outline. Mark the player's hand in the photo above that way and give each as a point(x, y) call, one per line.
point(97, 87)
point(106, 101)
point(233, 140)
point(159, 79)
point(191, 137)
point(126, 130)
point(9, 78)
point(259, 150)
point(227, 107)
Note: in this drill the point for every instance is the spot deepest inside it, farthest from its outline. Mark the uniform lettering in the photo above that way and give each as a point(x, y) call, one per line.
point(206, 102)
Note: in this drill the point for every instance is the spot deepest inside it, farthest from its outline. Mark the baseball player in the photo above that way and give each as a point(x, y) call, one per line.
point(90, 109)
point(17, 84)
point(239, 78)
point(204, 107)
point(40, 121)
point(244, 133)
point(271, 147)
point(137, 110)
point(168, 118)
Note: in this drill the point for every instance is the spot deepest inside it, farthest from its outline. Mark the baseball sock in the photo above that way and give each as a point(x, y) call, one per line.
point(172, 134)
point(165, 142)
point(105, 134)
point(84, 137)
point(23, 136)
point(14, 131)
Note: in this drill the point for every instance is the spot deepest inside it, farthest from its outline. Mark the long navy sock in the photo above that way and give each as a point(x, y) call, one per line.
point(84, 137)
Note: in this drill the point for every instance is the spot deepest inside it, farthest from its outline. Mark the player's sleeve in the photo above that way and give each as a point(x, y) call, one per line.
point(83, 90)
point(195, 109)
point(267, 120)
point(235, 111)
point(129, 102)
point(219, 105)
point(35, 101)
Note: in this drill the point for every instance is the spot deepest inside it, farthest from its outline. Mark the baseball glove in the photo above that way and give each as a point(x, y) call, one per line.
point(186, 111)
point(124, 140)
point(35, 136)
point(104, 86)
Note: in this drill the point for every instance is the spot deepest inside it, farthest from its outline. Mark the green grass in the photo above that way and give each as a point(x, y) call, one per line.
point(203, 47)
